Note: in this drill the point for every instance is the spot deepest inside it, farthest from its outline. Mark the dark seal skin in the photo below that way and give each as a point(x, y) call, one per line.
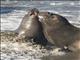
point(30, 27)
point(60, 32)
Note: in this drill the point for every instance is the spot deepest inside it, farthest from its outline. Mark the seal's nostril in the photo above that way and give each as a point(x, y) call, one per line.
point(48, 12)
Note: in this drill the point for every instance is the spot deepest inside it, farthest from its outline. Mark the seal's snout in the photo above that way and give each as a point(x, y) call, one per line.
point(33, 11)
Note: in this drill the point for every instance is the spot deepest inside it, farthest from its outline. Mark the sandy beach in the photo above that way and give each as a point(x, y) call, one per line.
point(12, 17)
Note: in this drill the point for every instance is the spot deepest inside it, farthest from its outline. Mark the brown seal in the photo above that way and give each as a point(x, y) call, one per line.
point(60, 32)
point(30, 27)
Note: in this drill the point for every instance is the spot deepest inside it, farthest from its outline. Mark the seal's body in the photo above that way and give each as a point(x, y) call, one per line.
point(29, 26)
point(60, 32)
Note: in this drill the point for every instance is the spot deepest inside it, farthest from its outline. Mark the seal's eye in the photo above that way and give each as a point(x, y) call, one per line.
point(48, 12)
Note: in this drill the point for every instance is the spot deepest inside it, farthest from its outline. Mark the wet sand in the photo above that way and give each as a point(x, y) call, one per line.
point(69, 56)
point(23, 50)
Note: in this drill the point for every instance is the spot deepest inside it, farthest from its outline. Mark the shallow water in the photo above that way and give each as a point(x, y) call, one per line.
point(12, 16)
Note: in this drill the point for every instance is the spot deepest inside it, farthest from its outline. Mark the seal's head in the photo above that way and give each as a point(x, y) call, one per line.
point(51, 19)
point(33, 11)
point(33, 14)
point(60, 32)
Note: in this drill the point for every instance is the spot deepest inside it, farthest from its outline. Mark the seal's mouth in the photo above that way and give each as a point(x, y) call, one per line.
point(41, 18)
point(33, 11)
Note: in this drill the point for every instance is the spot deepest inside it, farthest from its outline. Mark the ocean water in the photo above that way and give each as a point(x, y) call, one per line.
point(11, 15)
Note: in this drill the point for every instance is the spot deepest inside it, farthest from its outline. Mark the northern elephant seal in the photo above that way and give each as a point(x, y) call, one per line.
point(60, 32)
point(31, 27)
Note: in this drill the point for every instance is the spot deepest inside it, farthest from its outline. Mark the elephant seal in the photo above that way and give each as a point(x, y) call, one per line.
point(60, 32)
point(30, 27)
